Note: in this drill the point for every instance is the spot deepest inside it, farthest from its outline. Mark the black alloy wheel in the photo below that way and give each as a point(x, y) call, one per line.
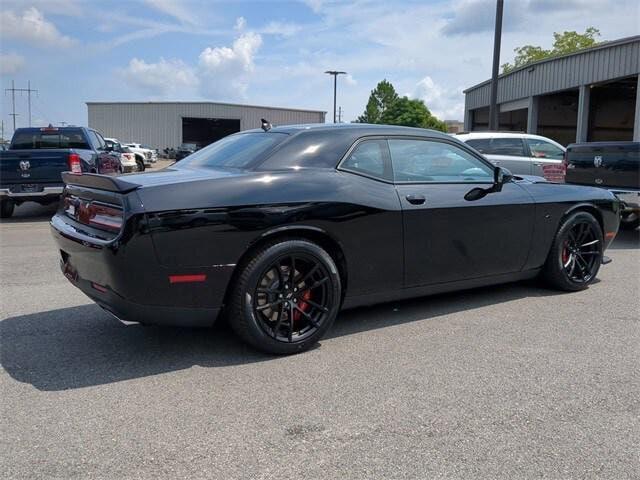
point(576, 253)
point(291, 299)
point(582, 252)
point(285, 297)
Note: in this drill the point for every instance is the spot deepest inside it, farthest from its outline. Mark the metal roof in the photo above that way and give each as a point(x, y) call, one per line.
point(239, 105)
point(604, 62)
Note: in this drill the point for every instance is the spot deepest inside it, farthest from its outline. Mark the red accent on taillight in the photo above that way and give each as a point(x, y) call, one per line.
point(102, 216)
point(74, 163)
point(99, 287)
point(609, 235)
point(200, 277)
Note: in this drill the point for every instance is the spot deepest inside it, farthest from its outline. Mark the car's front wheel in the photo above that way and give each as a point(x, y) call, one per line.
point(576, 253)
point(286, 296)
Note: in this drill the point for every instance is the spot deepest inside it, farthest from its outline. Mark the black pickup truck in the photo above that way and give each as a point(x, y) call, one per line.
point(30, 170)
point(611, 165)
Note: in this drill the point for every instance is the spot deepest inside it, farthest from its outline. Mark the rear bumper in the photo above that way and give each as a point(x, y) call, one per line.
point(123, 277)
point(45, 192)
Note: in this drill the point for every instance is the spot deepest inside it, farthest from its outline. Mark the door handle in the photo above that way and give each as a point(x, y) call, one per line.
point(416, 199)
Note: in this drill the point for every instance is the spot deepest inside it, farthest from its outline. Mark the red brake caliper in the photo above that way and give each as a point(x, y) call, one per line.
point(565, 253)
point(304, 306)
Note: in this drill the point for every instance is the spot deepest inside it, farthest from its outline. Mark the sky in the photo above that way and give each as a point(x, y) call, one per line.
point(270, 52)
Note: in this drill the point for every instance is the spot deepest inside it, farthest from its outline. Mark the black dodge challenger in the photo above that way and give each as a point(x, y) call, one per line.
point(279, 228)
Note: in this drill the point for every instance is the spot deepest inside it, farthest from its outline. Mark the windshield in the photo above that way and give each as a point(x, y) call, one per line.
point(235, 151)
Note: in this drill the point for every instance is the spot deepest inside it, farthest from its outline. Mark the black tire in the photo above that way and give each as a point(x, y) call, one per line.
point(6, 208)
point(314, 275)
point(140, 163)
point(573, 262)
point(630, 222)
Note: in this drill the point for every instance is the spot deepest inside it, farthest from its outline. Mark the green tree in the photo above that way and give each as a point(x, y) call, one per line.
point(381, 98)
point(565, 42)
point(385, 106)
point(411, 113)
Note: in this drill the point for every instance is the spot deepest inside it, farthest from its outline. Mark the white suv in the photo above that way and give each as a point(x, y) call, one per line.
point(521, 153)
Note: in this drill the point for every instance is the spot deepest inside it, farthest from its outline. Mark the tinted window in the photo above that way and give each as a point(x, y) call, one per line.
point(507, 146)
point(428, 161)
point(33, 139)
point(480, 144)
point(369, 158)
point(236, 151)
point(309, 148)
point(543, 149)
point(96, 139)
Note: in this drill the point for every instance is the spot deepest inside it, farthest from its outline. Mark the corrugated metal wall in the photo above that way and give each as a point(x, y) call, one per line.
point(159, 124)
point(610, 61)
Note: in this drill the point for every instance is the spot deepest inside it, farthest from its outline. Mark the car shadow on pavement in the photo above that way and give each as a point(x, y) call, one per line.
point(83, 346)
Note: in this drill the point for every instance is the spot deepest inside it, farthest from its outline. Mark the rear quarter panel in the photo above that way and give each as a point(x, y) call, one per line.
point(214, 222)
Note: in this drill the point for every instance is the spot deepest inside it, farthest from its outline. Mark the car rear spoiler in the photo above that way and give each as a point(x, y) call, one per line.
point(99, 182)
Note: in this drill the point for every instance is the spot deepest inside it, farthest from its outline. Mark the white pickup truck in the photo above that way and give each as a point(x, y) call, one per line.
point(147, 155)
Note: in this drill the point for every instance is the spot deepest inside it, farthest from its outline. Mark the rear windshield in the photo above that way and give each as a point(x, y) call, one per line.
point(30, 139)
point(235, 151)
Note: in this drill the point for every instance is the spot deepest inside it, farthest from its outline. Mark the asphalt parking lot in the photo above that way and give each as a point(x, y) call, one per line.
point(506, 382)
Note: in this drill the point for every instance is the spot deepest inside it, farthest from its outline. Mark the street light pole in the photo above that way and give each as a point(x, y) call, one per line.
point(493, 104)
point(335, 74)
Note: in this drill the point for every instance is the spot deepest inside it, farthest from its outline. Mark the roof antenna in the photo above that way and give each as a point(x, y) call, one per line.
point(265, 124)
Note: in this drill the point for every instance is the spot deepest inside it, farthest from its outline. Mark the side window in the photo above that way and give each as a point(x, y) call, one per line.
point(507, 146)
point(480, 144)
point(369, 158)
point(101, 143)
point(543, 149)
point(429, 161)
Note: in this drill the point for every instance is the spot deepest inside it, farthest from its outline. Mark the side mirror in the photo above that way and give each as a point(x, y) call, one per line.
point(500, 177)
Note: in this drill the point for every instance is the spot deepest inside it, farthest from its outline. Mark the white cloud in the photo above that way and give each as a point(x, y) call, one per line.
point(10, 63)
point(241, 23)
point(32, 27)
point(164, 78)
point(350, 80)
point(284, 29)
point(176, 9)
point(445, 103)
point(225, 71)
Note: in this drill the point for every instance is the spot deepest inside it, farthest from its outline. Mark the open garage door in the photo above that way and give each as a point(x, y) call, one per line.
point(203, 131)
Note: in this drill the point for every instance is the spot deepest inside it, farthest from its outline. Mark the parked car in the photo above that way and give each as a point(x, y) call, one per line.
point(521, 153)
point(147, 155)
point(30, 171)
point(611, 165)
point(185, 150)
point(128, 160)
point(282, 228)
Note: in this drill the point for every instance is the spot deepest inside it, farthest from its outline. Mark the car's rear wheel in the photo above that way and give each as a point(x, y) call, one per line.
point(576, 253)
point(286, 296)
point(140, 164)
point(6, 208)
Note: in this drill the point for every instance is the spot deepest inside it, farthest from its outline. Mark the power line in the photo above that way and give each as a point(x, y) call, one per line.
point(13, 91)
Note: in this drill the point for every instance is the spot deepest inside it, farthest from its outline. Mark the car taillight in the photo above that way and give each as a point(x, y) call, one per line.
point(74, 163)
point(104, 217)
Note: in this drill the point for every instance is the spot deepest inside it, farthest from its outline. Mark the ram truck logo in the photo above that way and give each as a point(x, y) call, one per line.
point(24, 165)
point(597, 161)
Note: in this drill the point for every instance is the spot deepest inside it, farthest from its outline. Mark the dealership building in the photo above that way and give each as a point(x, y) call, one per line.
point(590, 95)
point(169, 124)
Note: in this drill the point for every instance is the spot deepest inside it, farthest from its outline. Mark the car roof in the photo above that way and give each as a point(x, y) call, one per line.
point(471, 135)
point(357, 129)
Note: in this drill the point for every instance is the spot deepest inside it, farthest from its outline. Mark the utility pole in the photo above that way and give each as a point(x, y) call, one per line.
point(335, 74)
point(13, 91)
point(493, 105)
point(339, 114)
